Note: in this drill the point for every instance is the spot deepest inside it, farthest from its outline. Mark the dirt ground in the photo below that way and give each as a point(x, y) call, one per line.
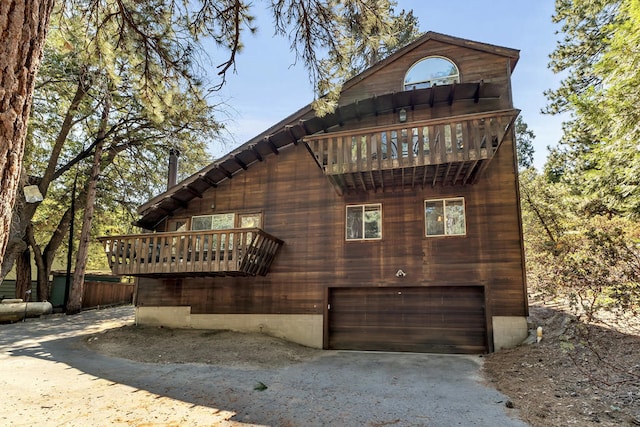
point(577, 375)
point(583, 375)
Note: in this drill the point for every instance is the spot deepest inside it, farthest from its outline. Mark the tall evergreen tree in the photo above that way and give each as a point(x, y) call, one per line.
point(165, 37)
point(599, 154)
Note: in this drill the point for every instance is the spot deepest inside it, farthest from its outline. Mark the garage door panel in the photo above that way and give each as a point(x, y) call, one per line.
point(423, 319)
point(460, 318)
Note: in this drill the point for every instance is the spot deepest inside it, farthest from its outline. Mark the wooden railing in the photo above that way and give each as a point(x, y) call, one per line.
point(467, 138)
point(240, 252)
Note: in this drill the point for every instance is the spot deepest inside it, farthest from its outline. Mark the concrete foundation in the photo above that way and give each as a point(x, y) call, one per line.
point(305, 329)
point(509, 331)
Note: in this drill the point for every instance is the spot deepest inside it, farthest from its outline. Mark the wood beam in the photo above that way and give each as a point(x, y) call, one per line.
point(435, 175)
point(481, 169)
point(267, 140)
point(293, 137)
point(225, 171)
point(411, 99)
point(393, 180)
point(362, 181)
point(432, 96)
point(239, 162)
point(303, 125)
point(446, 174)
point(424, 175)
point(255, 151)
point(349, 181)
point(160, 208)
point(336, 185)
point(208, 180)
point(192, 191)
point(413, 177)
point(339, 116)
point(452, 92)
point(457, 175)
point(180, 203)
point(476, 95)
point(373, 181)
point(323, 125)
point(469, 172)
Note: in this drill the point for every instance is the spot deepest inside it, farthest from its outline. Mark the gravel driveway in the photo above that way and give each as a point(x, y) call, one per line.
point(50, 378)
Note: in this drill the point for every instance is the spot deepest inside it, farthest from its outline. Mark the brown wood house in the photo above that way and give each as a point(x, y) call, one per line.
point(392, 224)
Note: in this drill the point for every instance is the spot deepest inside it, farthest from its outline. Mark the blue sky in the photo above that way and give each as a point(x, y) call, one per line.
point(268, 86)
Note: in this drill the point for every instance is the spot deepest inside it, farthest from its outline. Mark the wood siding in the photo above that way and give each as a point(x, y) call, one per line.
point(300, 207)
point(474, 66)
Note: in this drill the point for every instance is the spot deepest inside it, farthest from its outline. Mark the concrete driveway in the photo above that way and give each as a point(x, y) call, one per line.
point(49, 378)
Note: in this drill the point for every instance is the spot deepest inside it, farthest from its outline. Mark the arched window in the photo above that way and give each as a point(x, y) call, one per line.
point(431, 71)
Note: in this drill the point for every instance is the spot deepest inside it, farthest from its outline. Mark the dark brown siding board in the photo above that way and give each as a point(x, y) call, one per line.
point(437, 319)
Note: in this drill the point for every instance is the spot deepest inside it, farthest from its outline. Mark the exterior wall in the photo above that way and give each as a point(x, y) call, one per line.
point(300, 206)
point(509, 331)
point(302, 329)
point(474, 66)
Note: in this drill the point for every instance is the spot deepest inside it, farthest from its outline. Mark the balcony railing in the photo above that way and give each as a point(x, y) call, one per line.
point(451, 150)
point(233, 252)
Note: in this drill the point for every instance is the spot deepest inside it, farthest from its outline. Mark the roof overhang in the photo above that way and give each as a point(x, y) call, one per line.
point(291, 130)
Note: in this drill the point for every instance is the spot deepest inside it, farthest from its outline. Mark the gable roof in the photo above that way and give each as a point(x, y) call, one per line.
point(304, 122)
point(513, 54)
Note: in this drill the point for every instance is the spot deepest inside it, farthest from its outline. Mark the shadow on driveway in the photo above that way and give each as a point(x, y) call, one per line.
point(57, 380)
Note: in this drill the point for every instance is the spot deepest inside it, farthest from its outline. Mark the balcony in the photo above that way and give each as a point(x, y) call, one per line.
point(448, 151)
point(234, 252)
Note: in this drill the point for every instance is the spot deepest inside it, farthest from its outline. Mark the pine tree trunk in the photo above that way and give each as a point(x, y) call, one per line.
point(74, 304)
point(42, 267)
point(23, 274)
point(23, 29)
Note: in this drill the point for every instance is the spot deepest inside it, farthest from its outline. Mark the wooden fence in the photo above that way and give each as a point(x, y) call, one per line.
point(101, 294)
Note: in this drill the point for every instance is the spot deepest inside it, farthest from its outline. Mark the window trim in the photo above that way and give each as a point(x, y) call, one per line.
point(404, 84)
point(444, 200)
point(363, 238)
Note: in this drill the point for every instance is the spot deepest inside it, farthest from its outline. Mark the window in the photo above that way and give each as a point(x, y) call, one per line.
point(226, 221)
point(445, 217)
point(213, 222)
point(253, 220)
point(364, 222)
point(431, 71)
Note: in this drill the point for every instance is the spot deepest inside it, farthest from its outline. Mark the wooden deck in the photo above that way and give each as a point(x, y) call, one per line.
point(449, 151)
point(233, 252)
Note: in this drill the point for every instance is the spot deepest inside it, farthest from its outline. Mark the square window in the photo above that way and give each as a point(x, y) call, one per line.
point(253, 220)
point(364, 222)
point(445, 217)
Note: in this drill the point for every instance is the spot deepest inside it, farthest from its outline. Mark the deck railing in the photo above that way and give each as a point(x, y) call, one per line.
point(239, 252)
point(471, 137)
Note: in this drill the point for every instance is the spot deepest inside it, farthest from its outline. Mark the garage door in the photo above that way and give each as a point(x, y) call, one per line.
point(442, 319)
